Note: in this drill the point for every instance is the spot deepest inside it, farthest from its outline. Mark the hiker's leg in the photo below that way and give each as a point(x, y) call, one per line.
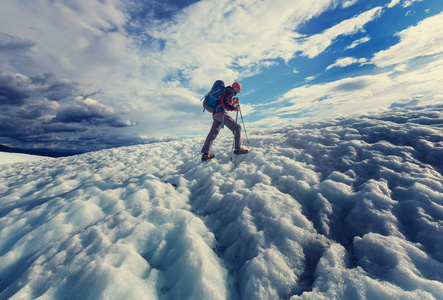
point(235, 128)
point(215, 129)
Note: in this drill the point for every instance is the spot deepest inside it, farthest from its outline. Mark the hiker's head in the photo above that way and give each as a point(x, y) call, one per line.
point(237, 87)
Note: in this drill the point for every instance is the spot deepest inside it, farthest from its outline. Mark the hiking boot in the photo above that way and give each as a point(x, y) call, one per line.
point(240, 151)
point(207, 156)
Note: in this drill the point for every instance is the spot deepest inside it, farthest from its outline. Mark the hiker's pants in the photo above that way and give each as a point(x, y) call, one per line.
point(217, 124)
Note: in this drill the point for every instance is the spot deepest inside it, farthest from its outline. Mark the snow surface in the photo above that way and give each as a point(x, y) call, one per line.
point(9, 158)
point(350, 208)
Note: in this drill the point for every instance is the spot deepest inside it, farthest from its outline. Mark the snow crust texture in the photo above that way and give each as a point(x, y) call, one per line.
point(9, 158)
point(345, 209)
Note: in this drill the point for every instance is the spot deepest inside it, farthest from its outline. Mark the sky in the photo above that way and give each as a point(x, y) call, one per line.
point(92, 74)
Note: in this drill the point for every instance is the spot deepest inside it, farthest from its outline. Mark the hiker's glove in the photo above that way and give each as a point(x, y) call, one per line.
point(236, 100)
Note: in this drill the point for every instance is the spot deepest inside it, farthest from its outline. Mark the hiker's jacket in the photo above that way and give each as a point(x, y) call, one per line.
point(227, 101)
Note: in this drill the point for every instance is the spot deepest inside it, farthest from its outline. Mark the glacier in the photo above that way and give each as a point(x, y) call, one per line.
point(347, 208)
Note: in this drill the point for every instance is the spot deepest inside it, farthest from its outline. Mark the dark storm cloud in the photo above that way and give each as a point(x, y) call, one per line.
point(34, 95)
point(56, 127)
point(13, 44)
point(42, 111)
point(13, 126)
point(90, 112)
point(16, 89)
point(13, 89)
point(53, 89)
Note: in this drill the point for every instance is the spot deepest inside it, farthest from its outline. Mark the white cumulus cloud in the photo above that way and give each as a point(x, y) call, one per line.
point(358, 42)
point(346, 61)
point(314, 45)
point(425, 39)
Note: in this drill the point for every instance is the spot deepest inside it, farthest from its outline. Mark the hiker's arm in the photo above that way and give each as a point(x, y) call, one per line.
point(227, 100)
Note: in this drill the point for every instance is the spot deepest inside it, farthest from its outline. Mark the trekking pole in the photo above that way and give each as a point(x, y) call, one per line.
point(241, 115)
point(232, 151)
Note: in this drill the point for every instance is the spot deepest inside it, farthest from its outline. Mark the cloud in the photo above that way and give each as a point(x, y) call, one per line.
point(404, 103)
point(38, 109)
point(346, 61)
point(352, 85)
point(358, 42)
point(314, 45)
point(15, 53)
point(393, 3)
point(415, 80)
point(274, 121)
point(310, 78)
point(14, 45)
point(418, 85)
point(407, 3)
point(51, 88)
point(89, 111)
point(84, 41)
point(16, 88)
point(334, 93)
point(233, 39)
point(404, 3)
point(12, 91)
point(425, 39)
point(348, 3)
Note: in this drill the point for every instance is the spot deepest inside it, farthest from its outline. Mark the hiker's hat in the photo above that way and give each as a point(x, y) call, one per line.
point(236, 84)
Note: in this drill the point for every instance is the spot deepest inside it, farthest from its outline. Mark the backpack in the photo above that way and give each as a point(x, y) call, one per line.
point(210, 102)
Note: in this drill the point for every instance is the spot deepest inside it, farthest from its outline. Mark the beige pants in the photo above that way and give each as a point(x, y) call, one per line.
point(221, 119)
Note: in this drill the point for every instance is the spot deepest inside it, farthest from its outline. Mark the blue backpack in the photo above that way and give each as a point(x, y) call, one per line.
point(210, 102)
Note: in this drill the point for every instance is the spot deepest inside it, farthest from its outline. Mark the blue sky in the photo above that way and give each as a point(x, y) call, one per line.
point(91, 74)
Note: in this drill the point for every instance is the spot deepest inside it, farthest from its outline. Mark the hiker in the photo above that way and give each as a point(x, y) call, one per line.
point(220, 118)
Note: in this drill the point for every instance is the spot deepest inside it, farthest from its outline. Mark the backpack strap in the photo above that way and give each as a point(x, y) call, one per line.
point(220, 102)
